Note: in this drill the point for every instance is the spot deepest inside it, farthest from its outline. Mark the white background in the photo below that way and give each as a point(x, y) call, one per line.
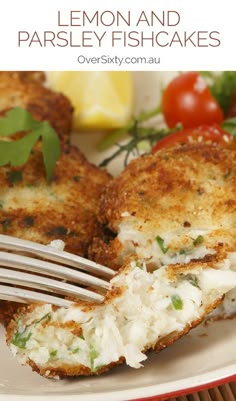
point(30, 15)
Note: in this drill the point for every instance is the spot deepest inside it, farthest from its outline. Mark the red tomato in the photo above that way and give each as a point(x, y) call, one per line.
point(187, 100)
point(210, 134)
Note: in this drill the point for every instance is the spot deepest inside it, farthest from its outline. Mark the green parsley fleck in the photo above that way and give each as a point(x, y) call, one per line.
point(192, 279)
point(186, 251)
point(93, 355)
point(182, 251)
point(20, 338)
point(139, 264)
point(177, 302)
point(76, 350)
point(53, 354)
point(199, 240)
point(160, 242)
point(47, 316)
point(76, 178)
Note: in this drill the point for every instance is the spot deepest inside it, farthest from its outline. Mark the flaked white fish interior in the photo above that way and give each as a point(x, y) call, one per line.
point(141, 310)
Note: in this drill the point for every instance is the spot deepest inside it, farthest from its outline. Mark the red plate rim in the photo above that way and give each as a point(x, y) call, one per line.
point(188, 390)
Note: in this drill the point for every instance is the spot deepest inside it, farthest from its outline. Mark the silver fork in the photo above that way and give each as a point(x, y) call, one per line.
point(65, 269)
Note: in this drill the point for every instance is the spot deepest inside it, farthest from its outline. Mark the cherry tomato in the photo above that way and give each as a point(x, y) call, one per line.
point(187, 100)
point(210, 134)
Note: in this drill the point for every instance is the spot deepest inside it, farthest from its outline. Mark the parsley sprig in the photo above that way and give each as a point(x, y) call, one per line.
point(150, 135)
point(17, 152)
point(138, 134)
point(132, 128)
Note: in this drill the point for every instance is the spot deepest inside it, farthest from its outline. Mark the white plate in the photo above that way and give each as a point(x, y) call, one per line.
point(205, 356)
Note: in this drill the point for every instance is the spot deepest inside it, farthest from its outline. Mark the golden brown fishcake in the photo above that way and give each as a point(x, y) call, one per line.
point(26, 90)
point(175, 190)
point(66, 208)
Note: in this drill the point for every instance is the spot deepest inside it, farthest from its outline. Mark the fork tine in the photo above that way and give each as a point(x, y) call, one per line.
point(47, 284)
point(51, 253)
point(21, 295)
point(43, 267)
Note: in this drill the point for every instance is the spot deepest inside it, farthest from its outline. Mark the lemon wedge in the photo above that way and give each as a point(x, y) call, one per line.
point(101, 99)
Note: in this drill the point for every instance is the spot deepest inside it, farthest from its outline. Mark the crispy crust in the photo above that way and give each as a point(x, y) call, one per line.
point(66, 208)
point(66, 370)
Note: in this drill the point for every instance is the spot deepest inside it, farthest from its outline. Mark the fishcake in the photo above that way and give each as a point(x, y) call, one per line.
point(65, 208)
point(177, 204)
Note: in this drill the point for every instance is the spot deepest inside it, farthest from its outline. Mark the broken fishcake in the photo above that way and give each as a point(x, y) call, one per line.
point(142, 310)
point(27, 90)
point(170, 207)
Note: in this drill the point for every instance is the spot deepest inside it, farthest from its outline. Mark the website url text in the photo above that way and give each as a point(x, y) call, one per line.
point(105, 59)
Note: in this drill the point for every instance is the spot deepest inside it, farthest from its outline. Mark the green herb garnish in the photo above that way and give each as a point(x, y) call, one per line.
point(93, 355)
point(160, 242)
point(132, 126)
point(47, 316)
point(20, 339)
point(75, 351)
point(177, 302)
point(139, 135)
point(193, 280)
point(186, 251)
point(82, 337)
point(183, 251)
point(17, 152)
point(53, 354)
point(77, 178)
point(139, 264)
point(199, 240)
